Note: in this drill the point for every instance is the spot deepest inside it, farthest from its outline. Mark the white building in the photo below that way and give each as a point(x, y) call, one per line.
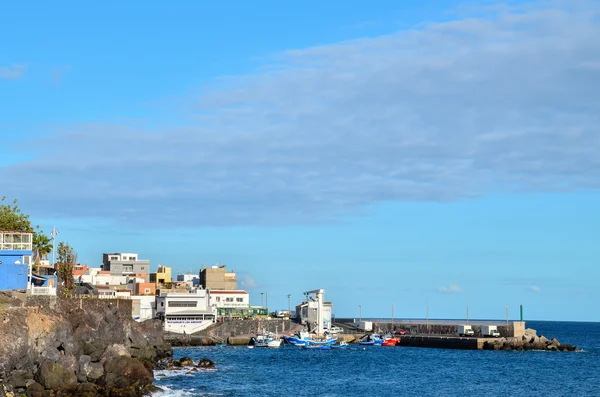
point(190, 278)
point(230, 303)
point(186, 312)
point(143, 307)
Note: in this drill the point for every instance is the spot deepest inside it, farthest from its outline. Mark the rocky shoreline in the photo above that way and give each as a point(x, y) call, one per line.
point(54, 347)
point(529, 341)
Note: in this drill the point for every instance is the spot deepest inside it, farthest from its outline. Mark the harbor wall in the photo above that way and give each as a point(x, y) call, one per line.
point(514, 329)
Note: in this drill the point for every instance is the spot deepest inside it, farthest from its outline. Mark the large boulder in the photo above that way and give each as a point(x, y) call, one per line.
point(124, 372)
point(89, 371)
point(52, 375)
point(35, 390)
point(19, 378)
point(113, 351)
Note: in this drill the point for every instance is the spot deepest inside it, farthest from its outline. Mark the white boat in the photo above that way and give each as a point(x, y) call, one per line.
point(267, 339)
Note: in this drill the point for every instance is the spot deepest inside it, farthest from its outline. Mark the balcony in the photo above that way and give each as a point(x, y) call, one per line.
point(16, 241)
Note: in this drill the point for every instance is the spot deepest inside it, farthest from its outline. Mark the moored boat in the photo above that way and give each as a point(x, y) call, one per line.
point(391, 342)
point(371, 340)
point(342, 345)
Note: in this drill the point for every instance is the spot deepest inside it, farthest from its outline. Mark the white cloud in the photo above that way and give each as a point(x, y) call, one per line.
point(450, 289)
point(248, 282)
point(14, 72)
point(454, 110)
point(535, 288)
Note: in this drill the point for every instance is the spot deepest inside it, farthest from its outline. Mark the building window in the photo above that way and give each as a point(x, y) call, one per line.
point(239, 299)
point(218, 299)
point(228, 299)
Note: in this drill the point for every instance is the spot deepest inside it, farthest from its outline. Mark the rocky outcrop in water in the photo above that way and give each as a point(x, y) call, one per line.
point(72, 347)
point(529, 341)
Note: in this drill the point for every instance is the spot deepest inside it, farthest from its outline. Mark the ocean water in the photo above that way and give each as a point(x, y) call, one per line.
point(391, 371)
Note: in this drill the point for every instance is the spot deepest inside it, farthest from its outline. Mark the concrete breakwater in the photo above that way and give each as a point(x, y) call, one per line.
point(443, 336)
point(59, 346)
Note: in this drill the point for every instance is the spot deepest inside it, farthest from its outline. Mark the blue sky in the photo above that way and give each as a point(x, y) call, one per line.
point(392, 153)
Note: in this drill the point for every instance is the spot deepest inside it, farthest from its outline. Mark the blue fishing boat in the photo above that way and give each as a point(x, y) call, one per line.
point(342, 345)
point(371, 340)
point(298, 339)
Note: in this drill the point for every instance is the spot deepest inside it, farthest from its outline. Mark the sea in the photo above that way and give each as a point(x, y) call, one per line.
point(396, 371)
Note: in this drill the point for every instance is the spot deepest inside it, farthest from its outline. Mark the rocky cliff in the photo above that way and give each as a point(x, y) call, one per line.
point(76, 347)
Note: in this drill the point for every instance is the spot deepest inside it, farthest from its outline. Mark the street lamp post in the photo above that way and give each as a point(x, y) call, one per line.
point(360, 313)
point(267, 301)
point(261, 300)
point(427, 316)
point(506, 307)
point(289, 307)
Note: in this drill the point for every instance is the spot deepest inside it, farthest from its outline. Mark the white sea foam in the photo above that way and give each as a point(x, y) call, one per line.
point(168, 392)
point(184, 371)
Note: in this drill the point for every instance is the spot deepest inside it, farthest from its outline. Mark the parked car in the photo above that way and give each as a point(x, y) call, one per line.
point(401, 331)
point(336, 330)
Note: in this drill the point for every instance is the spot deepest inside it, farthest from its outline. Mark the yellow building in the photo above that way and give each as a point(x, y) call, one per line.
point(162, 276)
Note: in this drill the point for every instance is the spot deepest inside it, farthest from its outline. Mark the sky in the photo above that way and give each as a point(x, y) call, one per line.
point(403, 156)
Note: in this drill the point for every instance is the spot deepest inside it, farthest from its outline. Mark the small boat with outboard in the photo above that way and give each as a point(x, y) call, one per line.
point(371, 340)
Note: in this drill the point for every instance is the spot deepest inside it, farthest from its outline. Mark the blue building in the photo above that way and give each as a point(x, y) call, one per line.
point(15, 259)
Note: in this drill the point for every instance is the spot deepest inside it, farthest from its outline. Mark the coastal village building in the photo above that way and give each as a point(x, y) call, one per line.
point(143, 307)
point(125, 264)
point(231, 303)
point(15, 259)
point(194, 279)
point(162, 276)
point(185, 311)
point(217, 277)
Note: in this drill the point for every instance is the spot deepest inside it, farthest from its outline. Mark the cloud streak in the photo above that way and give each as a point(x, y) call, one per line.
point(12, 73)
point(453, 110)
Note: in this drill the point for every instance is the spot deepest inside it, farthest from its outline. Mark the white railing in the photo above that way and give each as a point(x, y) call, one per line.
point(41, 290)
point(16, 241)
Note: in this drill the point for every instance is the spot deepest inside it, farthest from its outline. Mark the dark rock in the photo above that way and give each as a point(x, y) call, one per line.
point(55, 376)
point(89, 371)
point(176, 364)
point(186, 361)
point(115, 350)
point(19, 378)
point(125, 372)
point(568, 347)
point(35, 390)
point(86, 390)
point(205, 363)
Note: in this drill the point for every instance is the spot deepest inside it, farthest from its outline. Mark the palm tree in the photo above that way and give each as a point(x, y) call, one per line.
point(41, 248)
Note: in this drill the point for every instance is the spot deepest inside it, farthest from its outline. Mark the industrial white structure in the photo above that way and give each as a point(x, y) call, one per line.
point(314, 312)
